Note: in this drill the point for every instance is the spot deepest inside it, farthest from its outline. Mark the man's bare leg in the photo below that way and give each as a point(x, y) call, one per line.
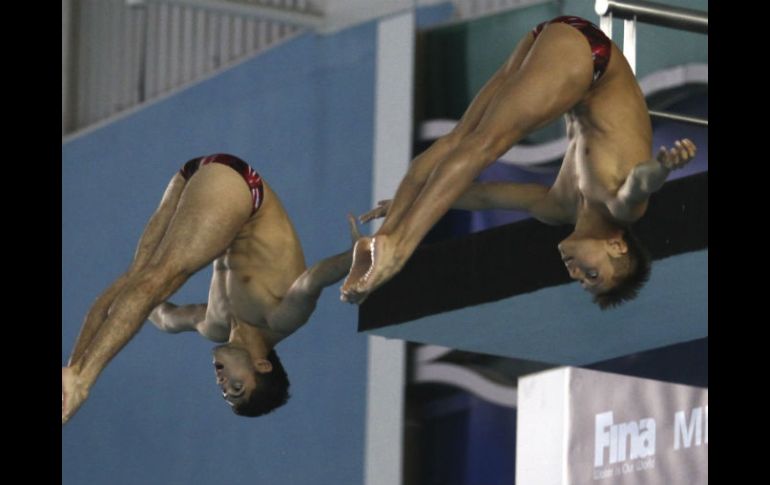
point(423, 165)
point(555, 75)
point(213, 207)
point(153, 233)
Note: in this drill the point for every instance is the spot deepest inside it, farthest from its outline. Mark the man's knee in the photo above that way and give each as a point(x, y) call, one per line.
point(158, 276)
point(452, 140)
point(489, 145)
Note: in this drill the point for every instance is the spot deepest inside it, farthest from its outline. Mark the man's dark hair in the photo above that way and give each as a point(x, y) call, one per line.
point(636, 265)
point(272, 391)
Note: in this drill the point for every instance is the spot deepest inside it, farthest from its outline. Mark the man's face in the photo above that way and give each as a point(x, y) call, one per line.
point(588, 262)
point(234, 371)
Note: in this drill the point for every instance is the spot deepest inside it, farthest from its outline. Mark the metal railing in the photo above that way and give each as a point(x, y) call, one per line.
point(693, 120)
point(655, 14)
point(633, 11)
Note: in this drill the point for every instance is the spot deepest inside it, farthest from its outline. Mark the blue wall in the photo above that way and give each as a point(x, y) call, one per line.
point(302, 115)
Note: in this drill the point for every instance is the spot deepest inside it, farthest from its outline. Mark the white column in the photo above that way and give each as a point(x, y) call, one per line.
point(383, 460)
point(66, 61)
point(629, 42)
point(605, 23)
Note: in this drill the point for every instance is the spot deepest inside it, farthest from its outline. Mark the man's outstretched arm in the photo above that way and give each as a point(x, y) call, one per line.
point(650, 176)
point(300, 301)
point(483, 196)
point(501, 195)
point(174, 319)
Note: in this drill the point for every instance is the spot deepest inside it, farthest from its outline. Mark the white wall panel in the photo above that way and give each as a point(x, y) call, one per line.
point(116, 55)
point(119, 53)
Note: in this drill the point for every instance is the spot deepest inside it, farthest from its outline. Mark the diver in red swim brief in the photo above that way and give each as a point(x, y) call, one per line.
point(601, 45)
point(252, 178)
point(261, 289)
point(603, 186)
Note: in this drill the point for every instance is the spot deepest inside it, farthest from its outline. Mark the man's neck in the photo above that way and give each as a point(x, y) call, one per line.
point(594, 220)
point(257, 342)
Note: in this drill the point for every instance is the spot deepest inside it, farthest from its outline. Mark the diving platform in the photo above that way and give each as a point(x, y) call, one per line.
point(504, 291)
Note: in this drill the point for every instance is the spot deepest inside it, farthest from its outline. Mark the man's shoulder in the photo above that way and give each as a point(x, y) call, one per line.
point(626, 212)
point(553, 210)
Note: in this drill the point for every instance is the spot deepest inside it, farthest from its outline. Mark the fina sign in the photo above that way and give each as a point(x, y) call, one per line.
point(577, 426)
point(638, 438)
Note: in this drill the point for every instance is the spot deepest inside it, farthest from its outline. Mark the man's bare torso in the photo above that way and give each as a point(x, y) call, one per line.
point(253, 275)
point(609, 133)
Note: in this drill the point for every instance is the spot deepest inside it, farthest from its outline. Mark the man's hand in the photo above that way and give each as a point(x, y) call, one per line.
point(677, 157)
point(381, 210)
point(355, 234)
point(647, 177)
point(73, 393)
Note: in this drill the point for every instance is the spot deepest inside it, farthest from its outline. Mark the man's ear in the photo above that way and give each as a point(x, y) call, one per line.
point(263, 366)
point(617, 246)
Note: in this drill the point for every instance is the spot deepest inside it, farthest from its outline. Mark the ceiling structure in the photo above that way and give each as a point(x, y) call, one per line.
point(332, 15)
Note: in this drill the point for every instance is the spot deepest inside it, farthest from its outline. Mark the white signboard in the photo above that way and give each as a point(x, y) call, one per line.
point(584, 427)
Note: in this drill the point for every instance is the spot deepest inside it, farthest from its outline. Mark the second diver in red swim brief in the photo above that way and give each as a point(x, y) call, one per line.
point(601, 45)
